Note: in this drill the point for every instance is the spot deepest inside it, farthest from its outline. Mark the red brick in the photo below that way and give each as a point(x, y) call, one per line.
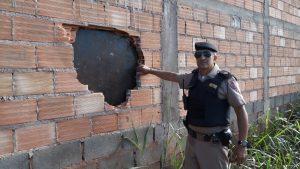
point(90, 11)
point(200, 15)
point(156, 60)
point(68, 82)
point(25, 6)
point(230, 33)
point(29, 29)
point(55, 56)
point(153, 5)
point(55, 107)
point(181, 26)
point(17, 56)
point(258, 61)
point(73, 129)
point(219, 32)
point(273, 91)
point(151, 115)
point(213, 17)
point(230, 61)
point(191, 61)
point(257, 38)
point(192, 28)
point(240, 35)
point(56, 8)
point(129, 119)
point(150, 40)
point(150, 80)
point(185, 12)
point(245, 50)
point(6, 5)
point(5, 27)
point(258, 83)
point(140, 97)
point(249, 85)
point(6, 142)
point(33, 83)
point(157, 23)
point(224, 46)
point(142, 20)
point(118, 16)
point(6, 84)
point(156, 96)
point(105, 123)
point(207, 30)
point(90, 103)
point(15, 112)
point(185, 43)
point(220, 59)
point(235, 47)
point(135, 4)
point(35, 136)
point(249, 61)
point(239, 3)
point(148, 58)
point(257, 6)
point(225, 19)
point(249, 4)
point(253, 49)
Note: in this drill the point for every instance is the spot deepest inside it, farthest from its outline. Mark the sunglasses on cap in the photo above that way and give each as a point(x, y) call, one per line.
point(205, 53)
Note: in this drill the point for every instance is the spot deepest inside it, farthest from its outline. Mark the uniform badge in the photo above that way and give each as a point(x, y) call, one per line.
point(233, 84)
point(212, 85)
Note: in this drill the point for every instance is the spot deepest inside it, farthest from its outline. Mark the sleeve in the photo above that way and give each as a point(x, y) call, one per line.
point(233, 93)
point(186, 78)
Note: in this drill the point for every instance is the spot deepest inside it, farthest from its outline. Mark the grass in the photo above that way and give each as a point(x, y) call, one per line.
point(275, 141)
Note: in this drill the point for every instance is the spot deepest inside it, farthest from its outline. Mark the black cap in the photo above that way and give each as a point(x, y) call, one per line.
point(205, 46)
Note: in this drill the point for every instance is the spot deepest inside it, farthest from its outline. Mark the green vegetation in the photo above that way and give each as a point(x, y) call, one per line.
point(275, 141)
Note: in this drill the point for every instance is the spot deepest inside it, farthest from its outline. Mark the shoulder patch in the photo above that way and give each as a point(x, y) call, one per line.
point(233, 85)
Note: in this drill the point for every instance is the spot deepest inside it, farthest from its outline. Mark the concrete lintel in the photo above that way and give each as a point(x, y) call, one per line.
point(224, 7)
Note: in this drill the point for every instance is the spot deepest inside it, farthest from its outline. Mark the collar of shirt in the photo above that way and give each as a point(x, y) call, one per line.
point(211, 74)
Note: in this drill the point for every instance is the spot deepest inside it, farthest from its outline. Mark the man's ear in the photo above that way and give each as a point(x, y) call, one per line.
point(215, 57)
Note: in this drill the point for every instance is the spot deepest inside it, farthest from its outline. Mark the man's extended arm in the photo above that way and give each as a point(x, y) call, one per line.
point(165, 75)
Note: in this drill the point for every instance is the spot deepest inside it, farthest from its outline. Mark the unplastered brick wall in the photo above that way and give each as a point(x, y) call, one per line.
point(42, 102)
point(239, 37)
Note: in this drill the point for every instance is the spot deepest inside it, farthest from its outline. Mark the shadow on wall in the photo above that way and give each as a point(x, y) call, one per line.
point(106, 61)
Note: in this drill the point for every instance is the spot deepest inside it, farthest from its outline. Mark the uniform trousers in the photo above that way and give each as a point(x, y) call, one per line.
point(200, 154)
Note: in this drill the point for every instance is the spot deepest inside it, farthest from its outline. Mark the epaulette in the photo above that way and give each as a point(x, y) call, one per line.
point(226, 75)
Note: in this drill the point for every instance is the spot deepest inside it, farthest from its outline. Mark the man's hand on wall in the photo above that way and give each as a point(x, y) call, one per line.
point(143, 69)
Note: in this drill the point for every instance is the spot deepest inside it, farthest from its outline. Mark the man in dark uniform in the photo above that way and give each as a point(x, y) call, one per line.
point(211, 93)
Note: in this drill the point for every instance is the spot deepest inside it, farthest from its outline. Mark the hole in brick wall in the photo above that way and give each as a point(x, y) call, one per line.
point(106, 61)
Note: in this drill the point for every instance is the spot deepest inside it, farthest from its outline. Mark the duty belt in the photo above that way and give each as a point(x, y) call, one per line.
point(204, 137)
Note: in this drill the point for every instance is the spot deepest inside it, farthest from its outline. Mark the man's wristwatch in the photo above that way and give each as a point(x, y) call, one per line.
point(244, 143)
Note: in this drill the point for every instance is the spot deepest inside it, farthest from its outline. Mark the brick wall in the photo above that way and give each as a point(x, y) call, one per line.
point(42, 102)
point(45, 110)
point(239, 37)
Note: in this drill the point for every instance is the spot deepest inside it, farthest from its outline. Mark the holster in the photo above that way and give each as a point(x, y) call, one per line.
point(225, 137)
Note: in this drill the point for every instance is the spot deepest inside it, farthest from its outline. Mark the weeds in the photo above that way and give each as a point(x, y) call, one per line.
point(275, 141)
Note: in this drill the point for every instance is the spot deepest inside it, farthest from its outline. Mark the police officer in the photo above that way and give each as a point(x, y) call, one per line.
point(211, 92)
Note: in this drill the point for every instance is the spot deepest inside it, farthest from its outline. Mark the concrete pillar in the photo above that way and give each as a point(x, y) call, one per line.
point(169, 46)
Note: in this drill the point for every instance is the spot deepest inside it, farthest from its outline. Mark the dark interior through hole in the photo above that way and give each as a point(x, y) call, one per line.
point(106, 61)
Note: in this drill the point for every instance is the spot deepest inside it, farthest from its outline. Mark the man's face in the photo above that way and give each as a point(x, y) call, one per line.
point(205, 59)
